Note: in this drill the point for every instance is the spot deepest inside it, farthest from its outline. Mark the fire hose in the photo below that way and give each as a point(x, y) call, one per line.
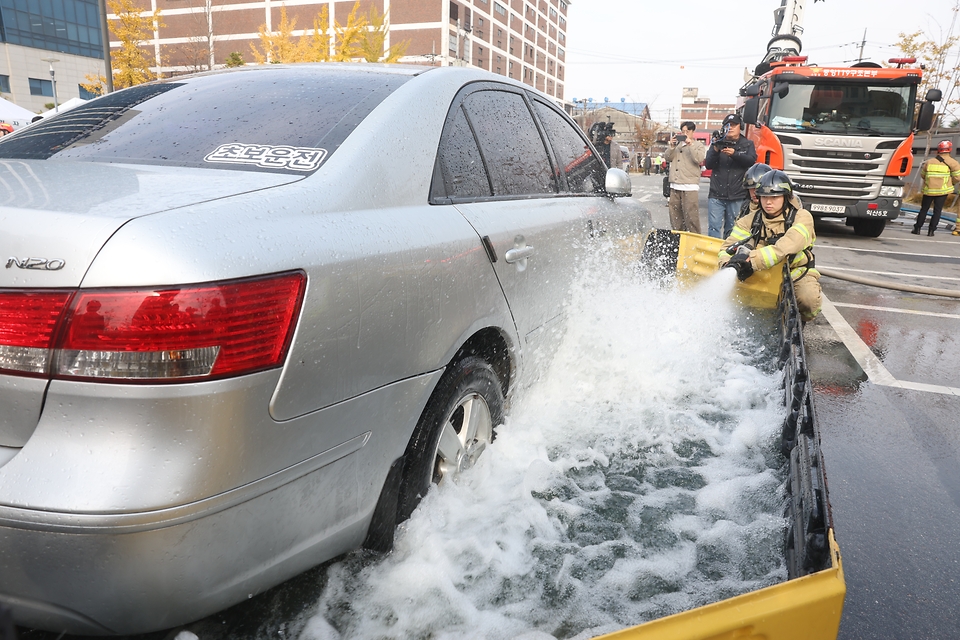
point(885, 284)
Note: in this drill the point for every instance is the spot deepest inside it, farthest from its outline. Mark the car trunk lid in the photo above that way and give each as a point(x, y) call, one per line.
point(54, 219)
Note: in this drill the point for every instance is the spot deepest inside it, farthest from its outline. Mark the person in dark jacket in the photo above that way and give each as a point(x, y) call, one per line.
point(728, 158)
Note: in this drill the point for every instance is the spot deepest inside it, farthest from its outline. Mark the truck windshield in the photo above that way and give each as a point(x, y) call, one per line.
point(850, 109)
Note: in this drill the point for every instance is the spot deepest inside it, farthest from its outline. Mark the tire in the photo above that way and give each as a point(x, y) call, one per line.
point(456, 426)
point(869, 227)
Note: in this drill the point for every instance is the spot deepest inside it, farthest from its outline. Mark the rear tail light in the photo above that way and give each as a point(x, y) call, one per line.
point(28, 320)
point(170, 334)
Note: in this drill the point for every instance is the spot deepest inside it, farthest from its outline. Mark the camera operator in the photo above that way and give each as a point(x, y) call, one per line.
point(601, 133)
point(685, 155)
point(729, 157)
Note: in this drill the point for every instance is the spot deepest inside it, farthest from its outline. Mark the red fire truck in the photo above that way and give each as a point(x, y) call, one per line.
point(844, 135)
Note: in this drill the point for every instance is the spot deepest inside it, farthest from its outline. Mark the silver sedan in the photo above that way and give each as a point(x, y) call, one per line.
point(248, 318)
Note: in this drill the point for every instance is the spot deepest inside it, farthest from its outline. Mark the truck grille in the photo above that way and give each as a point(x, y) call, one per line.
point(836, 175)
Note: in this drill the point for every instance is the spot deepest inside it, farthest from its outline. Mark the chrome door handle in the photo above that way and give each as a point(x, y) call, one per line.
point(517, 254)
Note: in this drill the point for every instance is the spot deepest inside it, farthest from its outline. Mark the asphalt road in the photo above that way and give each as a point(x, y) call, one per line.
point(886, 372)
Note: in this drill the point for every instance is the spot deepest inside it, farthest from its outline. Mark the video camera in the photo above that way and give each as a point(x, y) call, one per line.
point(600, 130)
point(719, 138)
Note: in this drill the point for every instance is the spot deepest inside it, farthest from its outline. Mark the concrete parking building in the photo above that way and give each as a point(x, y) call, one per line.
point(522, 39)
point(33, 33)
point(707, 115)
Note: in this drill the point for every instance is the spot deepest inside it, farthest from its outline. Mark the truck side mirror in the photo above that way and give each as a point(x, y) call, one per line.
point(751, 109)
point(752, 90)
point(934, 95)
point(781, 89)
point(925, 117)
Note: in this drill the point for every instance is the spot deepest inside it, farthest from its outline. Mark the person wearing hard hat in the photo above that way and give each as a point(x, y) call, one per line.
point(939, 174)
point(776, 231)
point(5, 128)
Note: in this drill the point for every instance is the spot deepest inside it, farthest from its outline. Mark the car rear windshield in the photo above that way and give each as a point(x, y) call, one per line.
point(276, 119)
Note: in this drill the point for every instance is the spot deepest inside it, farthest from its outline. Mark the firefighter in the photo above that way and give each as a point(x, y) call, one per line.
point(776, 231)
point(939, 175)
point(750, 181)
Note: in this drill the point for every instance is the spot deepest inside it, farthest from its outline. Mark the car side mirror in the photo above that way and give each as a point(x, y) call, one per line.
point(751, 110)
point(617, 184)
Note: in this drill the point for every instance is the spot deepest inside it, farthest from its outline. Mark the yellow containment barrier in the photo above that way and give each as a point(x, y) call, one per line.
point(694, 257)
point(806, 608)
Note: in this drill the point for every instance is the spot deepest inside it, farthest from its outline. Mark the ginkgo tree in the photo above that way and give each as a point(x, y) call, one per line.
point(940, 57)
point(362, 37)
point(130, 63)
point(132, 27)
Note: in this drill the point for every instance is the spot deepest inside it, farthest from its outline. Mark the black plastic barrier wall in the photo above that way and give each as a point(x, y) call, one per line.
point(808, 509)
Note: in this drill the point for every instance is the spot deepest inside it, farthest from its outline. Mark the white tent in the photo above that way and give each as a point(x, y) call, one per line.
point(14, 115)
point(66, 106)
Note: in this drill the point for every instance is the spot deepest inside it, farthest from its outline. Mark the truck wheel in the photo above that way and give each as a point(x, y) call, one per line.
point(869, 227)
point(456, 426)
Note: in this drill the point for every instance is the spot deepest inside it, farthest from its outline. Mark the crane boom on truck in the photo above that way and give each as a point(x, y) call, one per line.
point(844, 135)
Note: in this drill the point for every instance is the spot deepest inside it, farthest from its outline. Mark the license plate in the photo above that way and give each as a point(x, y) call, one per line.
point(828, 208)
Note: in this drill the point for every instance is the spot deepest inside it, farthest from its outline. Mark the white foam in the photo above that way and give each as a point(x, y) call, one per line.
point(637, 478)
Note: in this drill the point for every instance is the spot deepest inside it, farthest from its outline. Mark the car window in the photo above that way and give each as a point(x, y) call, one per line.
point(461, 167)
point(511, 144)
point(584, 171)
point(288, 122)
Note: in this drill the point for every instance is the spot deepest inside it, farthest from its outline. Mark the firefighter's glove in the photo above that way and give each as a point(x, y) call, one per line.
point(741, 262)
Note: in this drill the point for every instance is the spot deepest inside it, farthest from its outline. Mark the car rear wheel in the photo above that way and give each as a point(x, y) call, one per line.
point(869, 227)
point(453, 431)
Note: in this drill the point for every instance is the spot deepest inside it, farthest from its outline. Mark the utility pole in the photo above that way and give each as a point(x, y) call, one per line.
point(105, 41)
point(862, 43)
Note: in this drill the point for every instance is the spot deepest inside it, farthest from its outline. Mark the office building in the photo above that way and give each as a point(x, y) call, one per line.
point(64, 34)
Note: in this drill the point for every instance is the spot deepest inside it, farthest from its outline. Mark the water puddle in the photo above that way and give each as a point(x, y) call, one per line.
point(637, 478)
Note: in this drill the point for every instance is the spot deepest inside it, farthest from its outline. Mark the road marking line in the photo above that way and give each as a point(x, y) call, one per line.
point(871, 364)
point(888, 273)
point(895, 310)
point(899, 253)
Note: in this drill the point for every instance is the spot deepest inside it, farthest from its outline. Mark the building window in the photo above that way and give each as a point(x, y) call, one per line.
point(67, 26)
point(454, 11)
point(84, 94)
point(553, 13)
point(499, 8)
point(563, 22)
point(41, 87)
point(4, 84)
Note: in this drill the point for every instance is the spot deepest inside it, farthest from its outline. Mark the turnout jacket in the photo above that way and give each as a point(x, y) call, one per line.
point(939, 175)
point(771, 243)
point(726, 179)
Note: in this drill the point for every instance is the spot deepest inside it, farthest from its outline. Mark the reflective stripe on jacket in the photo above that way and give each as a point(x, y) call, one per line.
point(939, 175)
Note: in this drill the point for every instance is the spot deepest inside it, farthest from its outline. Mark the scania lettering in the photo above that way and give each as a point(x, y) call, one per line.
point(843, 135)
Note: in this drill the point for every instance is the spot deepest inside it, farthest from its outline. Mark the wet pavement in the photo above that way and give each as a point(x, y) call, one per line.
point(885, 366)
